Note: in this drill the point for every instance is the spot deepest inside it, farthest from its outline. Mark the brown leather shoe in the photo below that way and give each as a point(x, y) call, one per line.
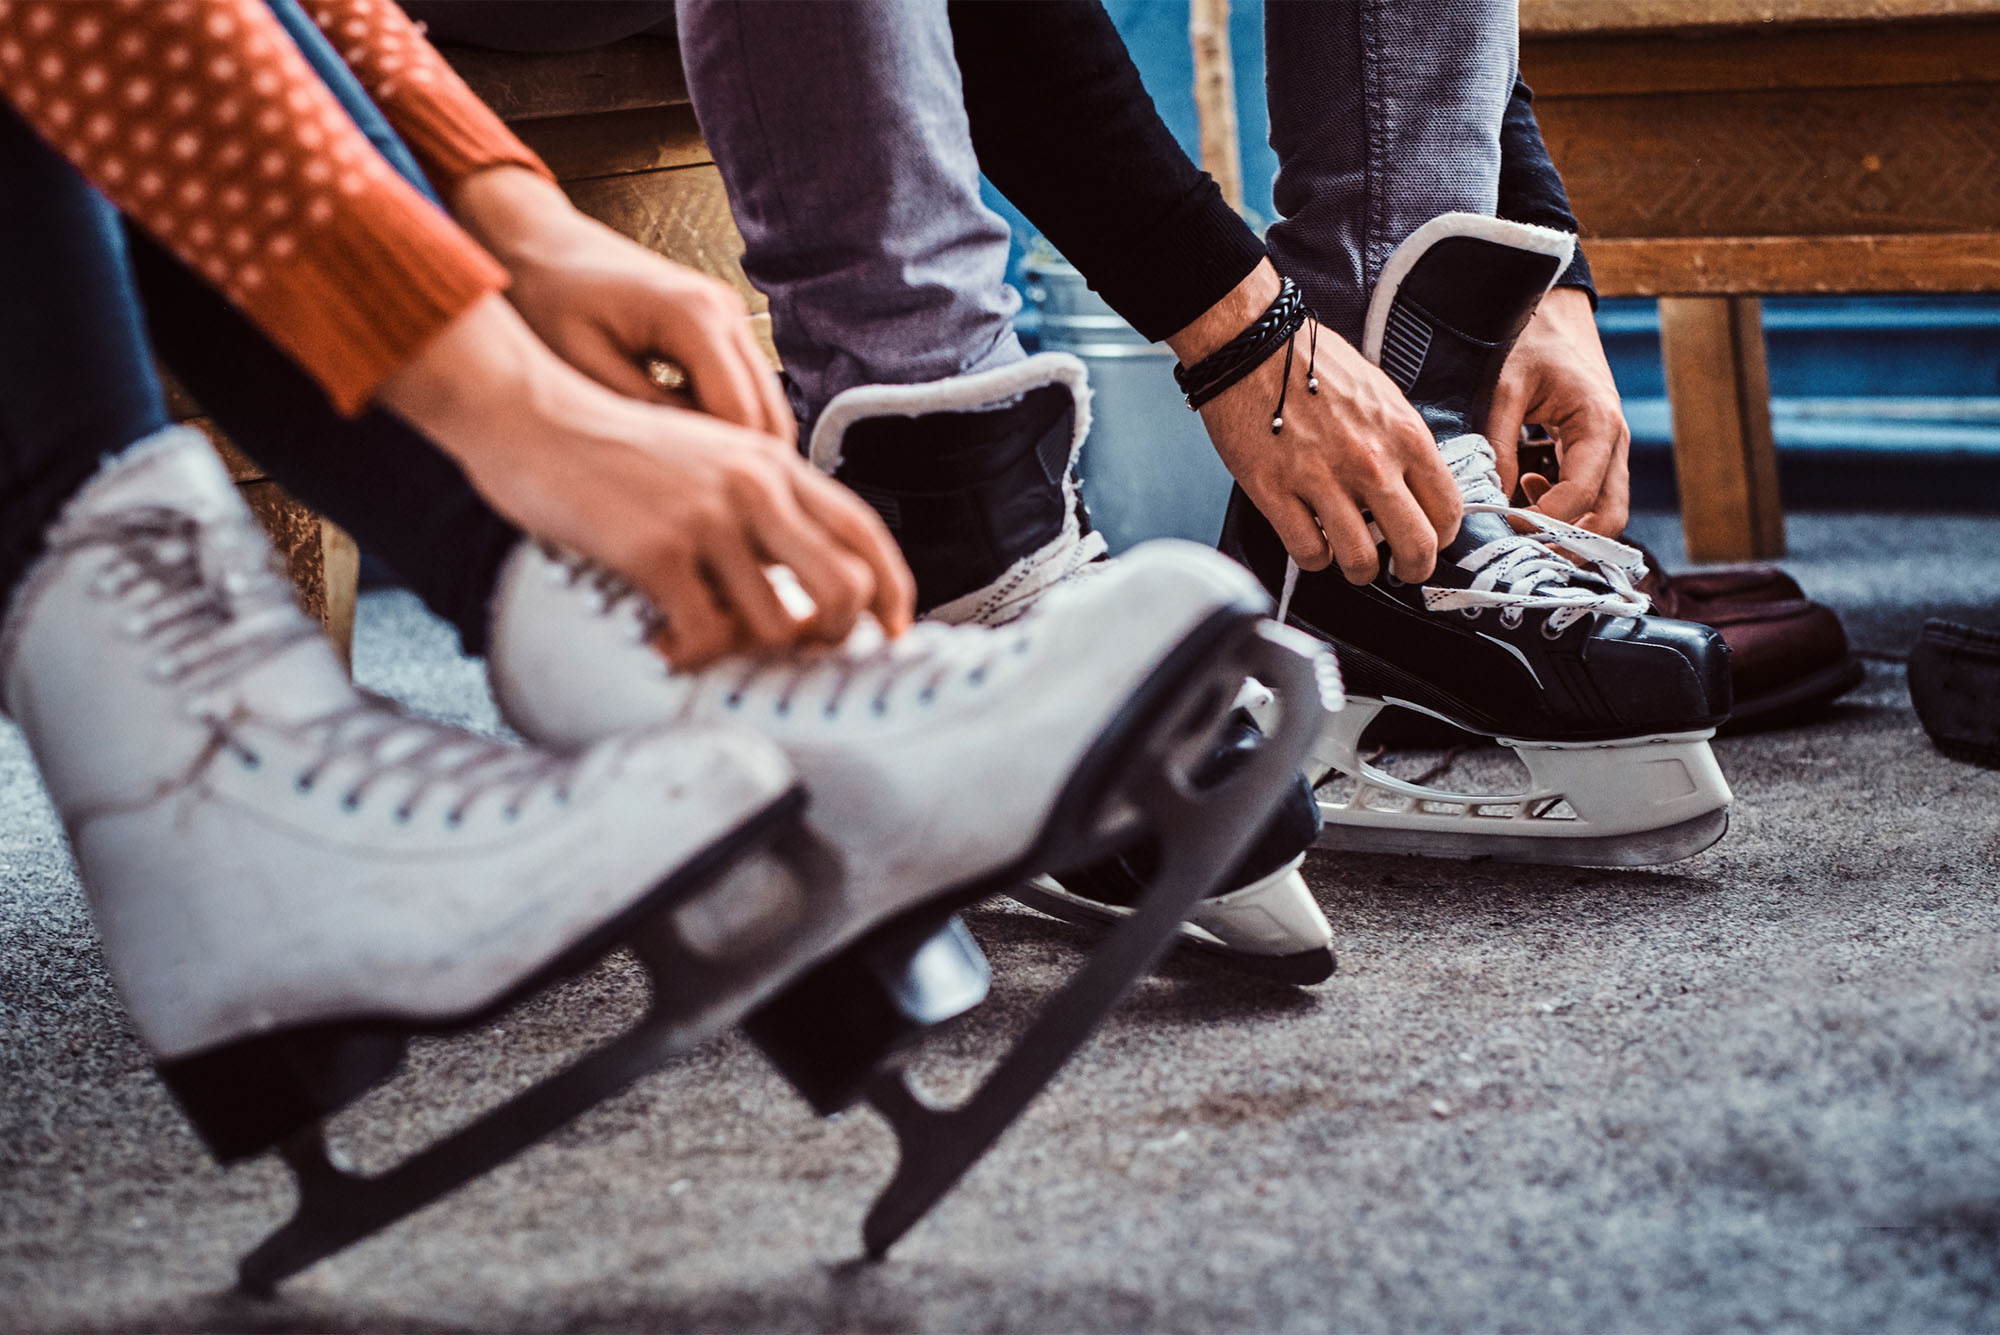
point(1685, 594)
point(1788, 658)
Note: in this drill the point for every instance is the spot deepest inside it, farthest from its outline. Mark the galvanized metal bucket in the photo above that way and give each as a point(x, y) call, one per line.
point(1148, 469)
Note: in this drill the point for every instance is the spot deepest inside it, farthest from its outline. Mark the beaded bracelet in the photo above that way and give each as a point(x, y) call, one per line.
point(1229, 364)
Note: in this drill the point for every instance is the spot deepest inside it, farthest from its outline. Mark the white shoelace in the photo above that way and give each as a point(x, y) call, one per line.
point(867, 664)
point(208, 602)
point(1523, 572)
point(871, 667)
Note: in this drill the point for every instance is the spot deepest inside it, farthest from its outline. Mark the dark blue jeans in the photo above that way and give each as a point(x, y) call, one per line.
point(80, 294)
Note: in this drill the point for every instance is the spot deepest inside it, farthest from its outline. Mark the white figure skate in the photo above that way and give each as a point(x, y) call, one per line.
point(1610, 710)
point(291, 878)
point(976, 477)
point(950, 764)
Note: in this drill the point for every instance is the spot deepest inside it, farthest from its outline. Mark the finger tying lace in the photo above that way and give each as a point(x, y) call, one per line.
point(1524, 572)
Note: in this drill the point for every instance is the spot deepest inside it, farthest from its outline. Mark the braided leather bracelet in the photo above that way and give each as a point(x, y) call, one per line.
point(1229, 364)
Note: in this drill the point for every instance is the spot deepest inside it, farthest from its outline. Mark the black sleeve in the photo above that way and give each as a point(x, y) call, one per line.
point(1065, 129)
point(1531, 191)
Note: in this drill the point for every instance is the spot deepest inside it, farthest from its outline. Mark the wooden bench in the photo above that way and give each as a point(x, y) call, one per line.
point(1722, 150)
point(615, 126)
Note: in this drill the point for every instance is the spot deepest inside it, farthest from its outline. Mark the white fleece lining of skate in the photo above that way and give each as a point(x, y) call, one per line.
point(1522, 236)
point(960, 393)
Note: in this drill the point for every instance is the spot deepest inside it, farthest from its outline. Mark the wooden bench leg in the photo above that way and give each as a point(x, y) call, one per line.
point(1724, 456)
point(323, 562)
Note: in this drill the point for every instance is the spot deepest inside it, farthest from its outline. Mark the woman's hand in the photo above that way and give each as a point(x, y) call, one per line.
point(1355, 446)
point(691, 509)
point(607, 305)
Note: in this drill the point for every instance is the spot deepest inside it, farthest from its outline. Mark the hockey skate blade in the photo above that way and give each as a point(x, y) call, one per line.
point(1635, 802)
point(1651, 848)
point(1299, 968)
point(1144, 761)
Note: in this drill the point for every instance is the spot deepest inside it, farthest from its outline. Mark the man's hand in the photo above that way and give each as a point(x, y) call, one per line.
point(607, 305)
point(689, 508)
point(1557, 376)
point(1355, 446)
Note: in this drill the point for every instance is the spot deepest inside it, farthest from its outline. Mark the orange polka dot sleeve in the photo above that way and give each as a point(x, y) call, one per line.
point(450, 130)
point(204, 124)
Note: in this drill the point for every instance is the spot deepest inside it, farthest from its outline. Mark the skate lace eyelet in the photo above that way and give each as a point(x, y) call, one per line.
point(403, 815)
point(927, 696)
point(783, 709)
point(1550, 631)
point(249, 759)
point(303, 783)
point(880, 706)
point(510, 813)
point(977, 676)
point(350, 802)
point(454, 818)
point(1471, 613)
point(1511, 618)
point(733, 700)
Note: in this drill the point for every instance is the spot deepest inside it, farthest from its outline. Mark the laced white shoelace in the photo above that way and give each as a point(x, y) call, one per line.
point(871, 667)
point(1523, 572)
point(210, 606)
point(868, 664)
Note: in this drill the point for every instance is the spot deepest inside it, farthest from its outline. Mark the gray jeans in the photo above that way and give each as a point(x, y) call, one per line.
point(1384, 114)
point(882, 264)
point(840, 130)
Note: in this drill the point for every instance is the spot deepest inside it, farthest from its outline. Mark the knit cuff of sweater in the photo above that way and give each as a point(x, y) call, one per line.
point(385, 277)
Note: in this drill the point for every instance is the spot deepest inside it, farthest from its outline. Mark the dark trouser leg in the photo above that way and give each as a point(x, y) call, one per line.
point(76, 380)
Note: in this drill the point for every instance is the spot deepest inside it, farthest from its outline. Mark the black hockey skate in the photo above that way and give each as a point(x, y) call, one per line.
point(975, 477)
point(1609, 709)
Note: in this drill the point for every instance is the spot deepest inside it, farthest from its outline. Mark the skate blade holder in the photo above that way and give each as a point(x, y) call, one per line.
point(1636, 802)
point(697, 993)
point(907, 977)
point(1200, 833)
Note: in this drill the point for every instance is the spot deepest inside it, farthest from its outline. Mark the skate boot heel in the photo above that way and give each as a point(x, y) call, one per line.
point(249, 1096)
point(830, 1033)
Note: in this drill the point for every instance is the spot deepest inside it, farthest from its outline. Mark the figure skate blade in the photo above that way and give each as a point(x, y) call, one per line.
point(1144, 763)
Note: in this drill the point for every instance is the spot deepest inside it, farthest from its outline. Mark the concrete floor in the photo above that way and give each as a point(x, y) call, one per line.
point(1755, 1089)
